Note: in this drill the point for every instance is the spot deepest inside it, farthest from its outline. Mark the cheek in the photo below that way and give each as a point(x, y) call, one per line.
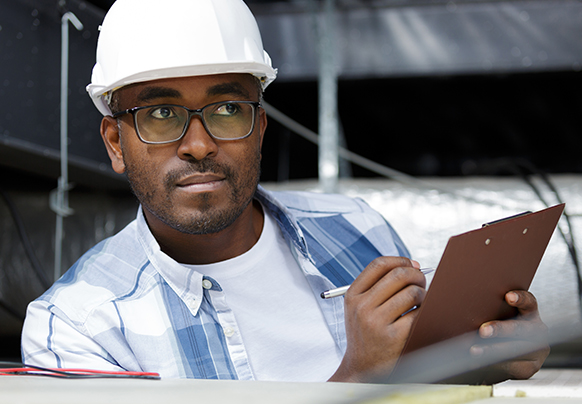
point(142, 168)
point(145, 157)
point(242, 155)
point(251, 163)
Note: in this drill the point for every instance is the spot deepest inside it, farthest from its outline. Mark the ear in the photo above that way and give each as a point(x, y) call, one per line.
point(262, 126)
point(112, 140)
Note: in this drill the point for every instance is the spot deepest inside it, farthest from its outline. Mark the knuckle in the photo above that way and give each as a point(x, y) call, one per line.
point(417, 293)
point(527, 299)
point(398, 273)
point(390, 261)
point(406, 275)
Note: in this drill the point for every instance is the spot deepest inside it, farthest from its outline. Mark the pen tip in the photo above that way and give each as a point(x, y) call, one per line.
point(322, 295)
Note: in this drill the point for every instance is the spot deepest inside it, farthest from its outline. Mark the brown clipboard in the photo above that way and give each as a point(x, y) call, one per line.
point(475, 272)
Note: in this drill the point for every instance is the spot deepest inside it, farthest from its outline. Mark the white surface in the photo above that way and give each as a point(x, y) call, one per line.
point(551, 386)
point(521, 400)
point(554, 383)
point(30, 389)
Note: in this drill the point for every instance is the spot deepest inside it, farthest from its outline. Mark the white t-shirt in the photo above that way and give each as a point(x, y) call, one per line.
point(282, 327)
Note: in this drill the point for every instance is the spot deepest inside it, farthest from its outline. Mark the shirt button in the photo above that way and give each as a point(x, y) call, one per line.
point(229, 331)
point(206, 284)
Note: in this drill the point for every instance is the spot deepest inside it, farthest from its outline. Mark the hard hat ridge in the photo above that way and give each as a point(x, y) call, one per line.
point(143, 40)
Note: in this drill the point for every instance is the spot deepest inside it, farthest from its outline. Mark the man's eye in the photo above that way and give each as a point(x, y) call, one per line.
point(226, 109)
point(162, 113)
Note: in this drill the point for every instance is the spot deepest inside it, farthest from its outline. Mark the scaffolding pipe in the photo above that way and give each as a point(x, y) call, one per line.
point(60, 204)
point(328, 115)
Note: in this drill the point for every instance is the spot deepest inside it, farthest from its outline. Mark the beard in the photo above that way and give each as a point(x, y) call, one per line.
point(207, 218)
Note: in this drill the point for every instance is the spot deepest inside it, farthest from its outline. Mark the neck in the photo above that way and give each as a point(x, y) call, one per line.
point(201, 249)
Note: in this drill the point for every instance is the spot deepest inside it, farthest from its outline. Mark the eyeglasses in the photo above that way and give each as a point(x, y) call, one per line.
point(166, 123)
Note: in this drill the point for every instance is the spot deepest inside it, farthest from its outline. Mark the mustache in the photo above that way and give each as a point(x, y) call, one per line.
point(195, 167)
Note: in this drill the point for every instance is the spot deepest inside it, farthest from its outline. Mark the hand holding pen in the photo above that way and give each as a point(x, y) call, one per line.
point(328, 294)
point(378, 319)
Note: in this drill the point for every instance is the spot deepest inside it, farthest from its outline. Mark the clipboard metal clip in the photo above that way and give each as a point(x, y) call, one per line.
point(506, 218)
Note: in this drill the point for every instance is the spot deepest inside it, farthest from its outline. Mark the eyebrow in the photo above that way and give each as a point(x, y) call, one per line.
point(231, 88)
point(152, 93)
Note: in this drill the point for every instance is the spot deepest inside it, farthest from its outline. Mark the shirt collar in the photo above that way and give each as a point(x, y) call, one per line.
point(285, 220)
point(186, 282)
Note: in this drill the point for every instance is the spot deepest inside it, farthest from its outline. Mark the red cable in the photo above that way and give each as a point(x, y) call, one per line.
point(8, 371)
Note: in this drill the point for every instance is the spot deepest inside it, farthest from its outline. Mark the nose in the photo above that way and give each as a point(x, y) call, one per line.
point(196, 143)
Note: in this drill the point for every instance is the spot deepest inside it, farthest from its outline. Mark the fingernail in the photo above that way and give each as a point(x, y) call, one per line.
point(476, 351)
point(486, 331)
point(415, 264)
point(512, 297)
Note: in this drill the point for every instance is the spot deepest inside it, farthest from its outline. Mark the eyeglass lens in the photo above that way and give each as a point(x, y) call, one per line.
point(164, 123)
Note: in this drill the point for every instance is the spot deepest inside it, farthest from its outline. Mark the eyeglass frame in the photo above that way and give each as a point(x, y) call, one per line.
point(191, 112)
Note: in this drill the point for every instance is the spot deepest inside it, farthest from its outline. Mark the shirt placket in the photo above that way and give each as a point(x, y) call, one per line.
point(230, 328)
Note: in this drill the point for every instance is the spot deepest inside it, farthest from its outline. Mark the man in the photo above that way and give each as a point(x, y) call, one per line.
point(217, 278)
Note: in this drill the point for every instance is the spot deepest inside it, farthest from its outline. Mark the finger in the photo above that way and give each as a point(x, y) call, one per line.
point(524, 301)
point(401, 328)
point(527, 321)
point(518, 350)
point(519, 369)
point(520, 365)
point(525, 329)
point(376, 270)
point(401, 303)
point(394, 281)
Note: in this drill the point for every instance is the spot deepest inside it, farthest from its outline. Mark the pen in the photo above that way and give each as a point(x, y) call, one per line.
point(328, 294)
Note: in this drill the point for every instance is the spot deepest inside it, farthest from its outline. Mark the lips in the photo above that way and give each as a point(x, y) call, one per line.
point(200, 182)
point(199, 179)
point(198, 175)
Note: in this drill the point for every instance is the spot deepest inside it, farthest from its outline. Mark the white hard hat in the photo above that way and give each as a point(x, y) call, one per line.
point(142, 40)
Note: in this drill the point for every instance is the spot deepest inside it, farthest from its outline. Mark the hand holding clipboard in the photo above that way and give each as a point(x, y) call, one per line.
point(476, 271)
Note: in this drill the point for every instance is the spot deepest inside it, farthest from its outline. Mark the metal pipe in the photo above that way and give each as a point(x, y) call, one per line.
point(328, 115)
point(61, 205)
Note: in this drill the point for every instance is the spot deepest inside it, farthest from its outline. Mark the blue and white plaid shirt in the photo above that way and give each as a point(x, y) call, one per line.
point(125, 305)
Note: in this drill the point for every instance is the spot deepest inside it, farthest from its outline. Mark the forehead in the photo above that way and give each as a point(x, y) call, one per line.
point(190, 89)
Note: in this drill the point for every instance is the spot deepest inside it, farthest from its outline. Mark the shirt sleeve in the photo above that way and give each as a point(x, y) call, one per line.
point(53, 341)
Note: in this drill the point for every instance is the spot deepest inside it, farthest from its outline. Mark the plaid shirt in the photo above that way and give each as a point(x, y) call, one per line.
point(125, 305)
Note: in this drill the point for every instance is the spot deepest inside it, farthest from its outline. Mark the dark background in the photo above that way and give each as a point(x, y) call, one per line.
point(441, 126)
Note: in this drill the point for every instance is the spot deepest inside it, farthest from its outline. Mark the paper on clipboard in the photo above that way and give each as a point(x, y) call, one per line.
point(476, 270)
